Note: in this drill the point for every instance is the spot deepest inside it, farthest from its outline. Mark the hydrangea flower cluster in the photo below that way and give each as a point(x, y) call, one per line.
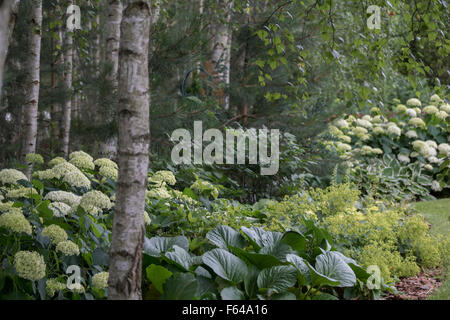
point(100, 280)
point(68, 198)
point(94, 201)
point(15, 221)
point(11, 176)
point(55, 233)
point(34, 158)
point(164, 176)
point(59, 209)
point(54, 285)
point(68, 248)
point(29, 265)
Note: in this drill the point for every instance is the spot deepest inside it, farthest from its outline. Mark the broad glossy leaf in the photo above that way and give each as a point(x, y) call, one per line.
point(295, 240)
point(157, 245)
point(157, 275)
point(232, 293)
point(333, 266)
point(261, 261)
point(180, 256)
point(182, 286)
point(277, 279)
point(301, 265)
point(262, 237)
point(225, 265)
point(224, 236)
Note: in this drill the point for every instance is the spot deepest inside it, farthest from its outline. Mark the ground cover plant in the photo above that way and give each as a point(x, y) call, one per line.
point(318, 244)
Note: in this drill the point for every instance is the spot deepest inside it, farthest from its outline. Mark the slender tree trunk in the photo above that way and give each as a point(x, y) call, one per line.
point(113, 39)
point(57, 79)
point(33, 79)
point(8, 15)
point(128, 228)
point(221, 56)
point(67, 105)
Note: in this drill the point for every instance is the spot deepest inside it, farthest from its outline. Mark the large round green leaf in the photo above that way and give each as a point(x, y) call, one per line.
point(157, 245)
point(224, 236)
point(333, 266)
point(277, 279)
point(225, 265)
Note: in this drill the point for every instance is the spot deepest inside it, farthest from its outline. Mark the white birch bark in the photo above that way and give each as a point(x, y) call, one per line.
point(32, 78)
point(8, 14)
point(113, 39)
point(221, 56)
point(125, 267)
point(67, 105)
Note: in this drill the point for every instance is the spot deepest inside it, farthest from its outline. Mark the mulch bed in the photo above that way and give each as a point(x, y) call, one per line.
point(418, 287)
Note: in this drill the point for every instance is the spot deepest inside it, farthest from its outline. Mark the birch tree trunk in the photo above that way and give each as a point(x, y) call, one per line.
point(33, 79)
point(113, 40)
point(67, 105)
point(8, 15)
point(57, 79)
point(128, 228)
point(221, 56)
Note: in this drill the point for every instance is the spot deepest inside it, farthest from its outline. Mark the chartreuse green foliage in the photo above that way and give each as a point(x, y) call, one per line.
point(437, 213)
point(404, 152)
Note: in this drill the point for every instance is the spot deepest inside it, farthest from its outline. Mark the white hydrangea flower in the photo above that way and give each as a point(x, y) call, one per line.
point(360, 131)
point(15, 221)
point(29, 265)
point(55, 233)
point(77, 179)
point(378, 130)
point(417, 110)
point(68, 198)
point(158, 193)
point(59, 209)
point(164, 176)
point(403, 158)
point(366, 150)
point(435, 99)
point(367, 117)
point(417, 122)
point(444, 149)
point(436, 186)
point(11, 176)
point(377, 119)
point(100, 280)
point(414, 102)
point(109, 172)
point(80, 154)
point(82, 162)
point(433, 159)
point(68, 248)
point(94, 200)
point(377, 151)
point(44, 174)
point(341, 123)
point(394, 130)
point(400, 108)
point(430, 109)
point(441, 115)
point(411, 134)
point(56, 161)
point(363, 123)
point(446, 108)
point(431, 143)
point(105, 162)
point(411, 113)
point(428, 167)
point(346, 139)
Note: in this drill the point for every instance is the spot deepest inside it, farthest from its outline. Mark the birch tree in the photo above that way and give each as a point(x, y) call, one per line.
point(113, 39)
point(133, 111)
point(221, 56)
point(8, 15)
point(32, 70)
point(67, 105)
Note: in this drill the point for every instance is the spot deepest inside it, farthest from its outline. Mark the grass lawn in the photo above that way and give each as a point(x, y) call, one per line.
point(437, 213)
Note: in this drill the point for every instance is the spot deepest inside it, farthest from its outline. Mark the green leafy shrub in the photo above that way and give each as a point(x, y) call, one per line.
point(409, 134)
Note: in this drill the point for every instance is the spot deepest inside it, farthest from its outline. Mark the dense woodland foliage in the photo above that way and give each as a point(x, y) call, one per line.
point(89, 99)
